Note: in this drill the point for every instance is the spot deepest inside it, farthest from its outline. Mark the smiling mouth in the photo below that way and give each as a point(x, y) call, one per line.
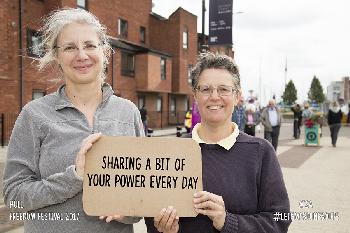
point(83, 67)
point(215, 107)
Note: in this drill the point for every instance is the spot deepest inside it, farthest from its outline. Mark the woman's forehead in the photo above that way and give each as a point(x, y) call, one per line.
point(216, 76)
point(77, 32)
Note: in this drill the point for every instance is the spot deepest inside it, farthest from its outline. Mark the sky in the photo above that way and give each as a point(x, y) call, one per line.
point(312, 37)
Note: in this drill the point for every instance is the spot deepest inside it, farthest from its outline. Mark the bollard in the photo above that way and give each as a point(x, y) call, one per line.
point(178, 131)
point(149, 132)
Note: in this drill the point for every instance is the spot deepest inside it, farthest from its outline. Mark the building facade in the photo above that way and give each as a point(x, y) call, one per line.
point(339, 90)
point(150, 64)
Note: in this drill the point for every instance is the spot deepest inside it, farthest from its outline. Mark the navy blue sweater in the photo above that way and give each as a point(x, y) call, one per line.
point(249, 178)
point(334, 118)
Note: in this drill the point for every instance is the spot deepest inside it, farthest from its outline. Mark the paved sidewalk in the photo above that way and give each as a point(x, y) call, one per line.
point(323, 180)
point(317, 175)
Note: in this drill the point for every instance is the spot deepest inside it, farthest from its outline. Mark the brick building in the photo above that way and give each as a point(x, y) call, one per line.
point(150, 65)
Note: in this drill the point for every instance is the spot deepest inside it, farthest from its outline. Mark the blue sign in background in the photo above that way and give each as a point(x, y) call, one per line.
point(312, 135)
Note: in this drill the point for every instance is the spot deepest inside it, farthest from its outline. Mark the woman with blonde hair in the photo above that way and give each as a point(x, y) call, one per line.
point(46, 154)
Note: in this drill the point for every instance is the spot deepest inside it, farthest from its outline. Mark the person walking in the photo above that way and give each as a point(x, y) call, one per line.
point(307, 113)
point(271, 120)
point(196, 117)
point(144, 118)
point(348, 120)
point(238, 115)
point(251, 119)
point(334, 121)
point(188, 121)
point(297, 115)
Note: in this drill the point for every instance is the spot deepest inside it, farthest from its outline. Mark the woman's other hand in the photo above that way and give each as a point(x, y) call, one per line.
point(84, 147)
point(167, 221)
point(211, 205)
point(116, 217)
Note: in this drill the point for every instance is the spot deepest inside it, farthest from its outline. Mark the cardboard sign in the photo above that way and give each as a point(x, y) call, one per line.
point(135, 176)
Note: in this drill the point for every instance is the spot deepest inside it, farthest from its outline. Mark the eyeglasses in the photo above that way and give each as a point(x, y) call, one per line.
point(222, 90)
point(73, 48)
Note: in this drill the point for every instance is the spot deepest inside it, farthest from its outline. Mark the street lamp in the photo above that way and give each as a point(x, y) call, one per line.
point(234, 13)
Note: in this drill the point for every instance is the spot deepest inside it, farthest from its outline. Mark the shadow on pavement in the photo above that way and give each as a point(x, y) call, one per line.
point(296, 156)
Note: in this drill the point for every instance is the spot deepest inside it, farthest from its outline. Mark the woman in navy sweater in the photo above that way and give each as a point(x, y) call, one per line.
point(242, 179)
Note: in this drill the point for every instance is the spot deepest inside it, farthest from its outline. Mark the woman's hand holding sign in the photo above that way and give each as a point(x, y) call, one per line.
point(205, 203)
point(120, 218)
point(167, 221)
point(211, 205)
point(84, 147)
point(116, 217)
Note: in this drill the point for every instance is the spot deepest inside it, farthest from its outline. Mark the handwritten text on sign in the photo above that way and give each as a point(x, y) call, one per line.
point(140, 176)
point(139, 180)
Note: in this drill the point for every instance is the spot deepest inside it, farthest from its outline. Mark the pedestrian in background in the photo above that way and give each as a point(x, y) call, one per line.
point(334, 121)
point(238, 115)
point(345, 110)
point(46, 153)
point(196, 117)
point(251, 119)
point(348, 121)
point(188, 121)
point(242, 179)
point(297, 115)
point(307, 113)
point(144, 118)
point(271, 119)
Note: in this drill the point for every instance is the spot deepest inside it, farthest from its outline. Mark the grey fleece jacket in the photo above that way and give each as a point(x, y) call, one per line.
point(40, 172)
point(265, 120)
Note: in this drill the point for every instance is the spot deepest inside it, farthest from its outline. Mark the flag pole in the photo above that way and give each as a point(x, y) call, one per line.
point(285, 74)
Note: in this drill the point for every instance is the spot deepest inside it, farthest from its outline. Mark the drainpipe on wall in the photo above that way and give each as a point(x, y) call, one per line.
point(203, 22)
point(21, 80)
point(112, 70)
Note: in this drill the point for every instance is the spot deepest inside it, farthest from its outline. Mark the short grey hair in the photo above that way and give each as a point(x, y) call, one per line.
point(211, 61)
point(56, 21)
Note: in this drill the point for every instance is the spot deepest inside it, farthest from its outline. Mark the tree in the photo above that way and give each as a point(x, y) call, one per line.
point(316, 91)
point(290, 93)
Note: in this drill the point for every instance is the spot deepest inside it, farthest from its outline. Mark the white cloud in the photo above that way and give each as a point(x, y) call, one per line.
point(314, 36)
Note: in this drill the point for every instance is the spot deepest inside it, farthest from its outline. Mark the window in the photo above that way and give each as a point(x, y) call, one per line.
point(162, 68)
point(187, 103)
point(141, 102)
point(159, 104)
point(81, 4)
point(172, 104)
point(37, 94)
point(189, 78)
point(128, 64)
point(142, 34)
point(123, 28)
point(33, 43)
point(185, 39)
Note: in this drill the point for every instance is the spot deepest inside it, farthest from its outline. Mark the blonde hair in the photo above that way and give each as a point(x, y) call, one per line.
point(53, 25)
